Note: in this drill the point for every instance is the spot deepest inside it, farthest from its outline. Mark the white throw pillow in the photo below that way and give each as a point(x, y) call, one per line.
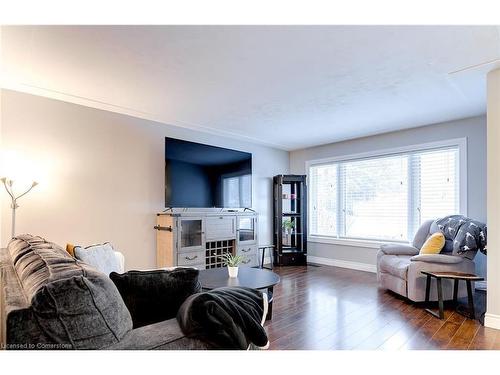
point(102, 257)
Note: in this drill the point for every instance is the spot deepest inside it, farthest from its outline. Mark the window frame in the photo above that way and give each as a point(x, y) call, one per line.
point(460, 143)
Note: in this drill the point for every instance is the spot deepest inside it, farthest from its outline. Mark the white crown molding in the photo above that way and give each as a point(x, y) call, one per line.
point(492, 320)
point(105, 106)
point(343, 264)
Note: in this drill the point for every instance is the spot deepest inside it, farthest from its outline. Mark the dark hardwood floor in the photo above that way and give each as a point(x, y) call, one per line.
point(328, 308)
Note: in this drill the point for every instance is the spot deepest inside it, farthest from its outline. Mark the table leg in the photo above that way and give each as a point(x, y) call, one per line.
point(270, 295)
point(470, 298)
point(427, 288)
point(440, 298)
point(455, 291)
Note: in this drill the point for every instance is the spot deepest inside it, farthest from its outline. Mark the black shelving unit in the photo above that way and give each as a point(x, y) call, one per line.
point(290, 220)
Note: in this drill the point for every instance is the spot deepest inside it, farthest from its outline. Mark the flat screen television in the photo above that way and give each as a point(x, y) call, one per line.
point(199, 175)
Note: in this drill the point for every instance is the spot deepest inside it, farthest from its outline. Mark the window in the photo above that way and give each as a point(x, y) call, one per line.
point(383, 197)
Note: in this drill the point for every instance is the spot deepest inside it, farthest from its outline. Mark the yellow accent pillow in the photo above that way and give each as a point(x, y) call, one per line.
point(434, 244)
point(70, 248)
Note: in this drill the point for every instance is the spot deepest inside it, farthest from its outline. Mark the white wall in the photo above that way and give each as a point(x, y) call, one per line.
point(472, 128)
point(102, 174)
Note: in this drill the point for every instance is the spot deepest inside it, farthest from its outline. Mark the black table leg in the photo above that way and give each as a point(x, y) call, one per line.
point(455, 291)
point(440, 298)
point(427, 288)
point(470, 297)
point(264, 255)
point(270, 303)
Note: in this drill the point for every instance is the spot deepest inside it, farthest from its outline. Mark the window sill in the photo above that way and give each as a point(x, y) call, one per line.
point(372, 244)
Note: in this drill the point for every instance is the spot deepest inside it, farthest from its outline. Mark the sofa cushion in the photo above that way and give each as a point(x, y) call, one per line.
point(433, 244)
point(437, 258)
point(153, 296)
point(102, 257)
point(86, 311)
point(396, 265)
point(164, 335)
point(71, 302)
point(398, 249)
point(36, 260)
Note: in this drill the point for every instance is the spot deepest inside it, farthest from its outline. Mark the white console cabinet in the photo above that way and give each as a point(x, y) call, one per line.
point(199, 239)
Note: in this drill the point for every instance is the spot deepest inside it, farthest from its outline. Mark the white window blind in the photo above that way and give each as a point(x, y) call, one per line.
point(324, 190)
point(383, 197)
point(376, 193)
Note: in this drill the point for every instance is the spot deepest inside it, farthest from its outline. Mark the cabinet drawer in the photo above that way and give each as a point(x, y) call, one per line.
point(220, 227)
point(247, 250)
point(191, 259)
point(250, 261)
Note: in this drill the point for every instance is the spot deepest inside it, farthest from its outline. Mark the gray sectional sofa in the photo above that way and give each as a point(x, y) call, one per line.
point(49, 300)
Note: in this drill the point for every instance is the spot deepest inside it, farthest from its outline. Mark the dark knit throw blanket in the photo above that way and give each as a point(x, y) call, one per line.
point(467, 235)
point(225, 318)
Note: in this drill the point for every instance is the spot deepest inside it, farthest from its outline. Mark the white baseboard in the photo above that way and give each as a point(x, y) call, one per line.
point(492, 320)
point(343, 264)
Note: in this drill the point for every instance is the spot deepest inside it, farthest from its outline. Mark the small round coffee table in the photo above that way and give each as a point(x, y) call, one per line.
point(254, 278)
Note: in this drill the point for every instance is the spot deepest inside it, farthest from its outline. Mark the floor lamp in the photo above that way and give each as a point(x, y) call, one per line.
point(8, 187)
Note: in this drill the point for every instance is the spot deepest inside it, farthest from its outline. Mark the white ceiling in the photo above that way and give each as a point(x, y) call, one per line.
point(286, 86)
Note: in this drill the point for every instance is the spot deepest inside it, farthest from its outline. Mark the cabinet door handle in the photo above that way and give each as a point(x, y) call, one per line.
point(193, 258)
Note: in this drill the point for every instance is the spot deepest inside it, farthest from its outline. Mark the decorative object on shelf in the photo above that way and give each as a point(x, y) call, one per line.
point(8, 184)
point(290, 220)
point(288, 226)
point(232, 262)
